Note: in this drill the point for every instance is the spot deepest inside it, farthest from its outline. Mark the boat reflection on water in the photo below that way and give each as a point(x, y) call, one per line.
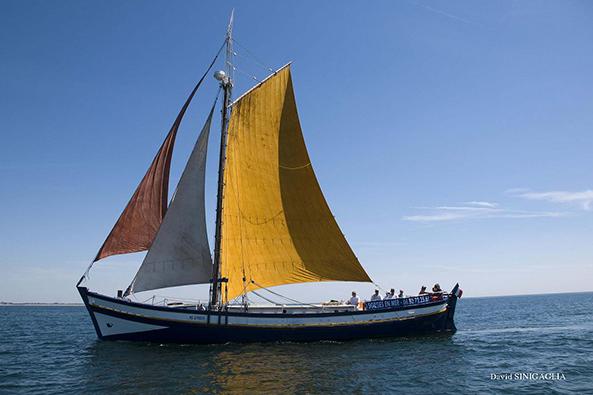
point(363, 365)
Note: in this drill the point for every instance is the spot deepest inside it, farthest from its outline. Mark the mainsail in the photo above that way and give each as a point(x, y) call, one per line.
point(277, 227)
point(180, 254)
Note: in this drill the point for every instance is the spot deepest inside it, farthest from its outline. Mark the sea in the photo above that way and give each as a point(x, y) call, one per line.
point(539, 344)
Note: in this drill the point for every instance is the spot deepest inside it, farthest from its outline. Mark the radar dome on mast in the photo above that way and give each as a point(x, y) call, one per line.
point(221, 76)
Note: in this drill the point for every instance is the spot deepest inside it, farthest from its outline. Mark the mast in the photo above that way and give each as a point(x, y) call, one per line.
point(226, 83)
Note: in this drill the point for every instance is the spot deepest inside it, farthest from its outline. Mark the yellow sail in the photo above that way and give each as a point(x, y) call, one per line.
point(277, 227)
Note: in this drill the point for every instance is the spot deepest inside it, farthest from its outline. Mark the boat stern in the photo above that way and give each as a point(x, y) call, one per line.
point(451, 303)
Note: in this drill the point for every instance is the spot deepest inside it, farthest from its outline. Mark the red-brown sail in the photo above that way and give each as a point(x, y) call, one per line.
point(138, 224)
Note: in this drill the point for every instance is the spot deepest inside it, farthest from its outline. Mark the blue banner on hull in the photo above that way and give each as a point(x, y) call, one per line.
point(399, 302)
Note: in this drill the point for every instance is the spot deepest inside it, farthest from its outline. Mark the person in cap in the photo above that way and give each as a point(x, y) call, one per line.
point(376, 296)
point(391, 294)
point(354, 299)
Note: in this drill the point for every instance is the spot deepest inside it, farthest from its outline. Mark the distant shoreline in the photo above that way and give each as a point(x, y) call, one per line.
point(34, 304)
point(520, 295)
point(56, 304)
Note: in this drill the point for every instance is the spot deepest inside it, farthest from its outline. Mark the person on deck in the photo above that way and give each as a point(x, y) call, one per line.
point(376, 296)
point(437, 289)
point(354, 299)
point(401, 294)
point(423, 290)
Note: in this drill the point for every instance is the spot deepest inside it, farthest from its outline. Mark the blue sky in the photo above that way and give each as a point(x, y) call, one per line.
point(452, 139)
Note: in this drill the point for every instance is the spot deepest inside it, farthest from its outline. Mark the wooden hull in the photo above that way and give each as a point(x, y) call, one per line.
point(118, 319)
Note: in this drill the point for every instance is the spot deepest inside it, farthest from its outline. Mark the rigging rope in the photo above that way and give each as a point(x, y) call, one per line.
point(253, 57)
point(266, 299)
point(282, 296)
point(295, 168)
point(235, 68)
point(378, 286)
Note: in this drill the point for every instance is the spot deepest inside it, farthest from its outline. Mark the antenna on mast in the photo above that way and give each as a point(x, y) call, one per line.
point(229, 48)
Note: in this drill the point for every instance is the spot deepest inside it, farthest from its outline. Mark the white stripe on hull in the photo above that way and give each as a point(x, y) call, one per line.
point(110, 326)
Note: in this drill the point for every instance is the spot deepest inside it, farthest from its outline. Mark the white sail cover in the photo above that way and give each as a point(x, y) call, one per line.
point(180, 254)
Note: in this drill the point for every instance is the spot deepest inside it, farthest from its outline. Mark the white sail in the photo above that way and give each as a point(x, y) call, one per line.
point(180, 254)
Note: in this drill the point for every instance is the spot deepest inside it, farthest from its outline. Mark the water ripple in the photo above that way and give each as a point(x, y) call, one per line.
point(53, 350)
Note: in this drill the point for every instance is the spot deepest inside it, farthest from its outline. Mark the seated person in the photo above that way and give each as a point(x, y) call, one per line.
point(401, 294)
point(353, 300)
point(437, 289)
point(423, 290)
point(376, 296)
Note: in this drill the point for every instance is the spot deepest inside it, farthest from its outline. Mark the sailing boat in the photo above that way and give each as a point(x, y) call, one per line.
point(273, 227)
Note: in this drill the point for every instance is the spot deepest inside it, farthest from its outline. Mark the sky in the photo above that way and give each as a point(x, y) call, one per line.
point(452, 139)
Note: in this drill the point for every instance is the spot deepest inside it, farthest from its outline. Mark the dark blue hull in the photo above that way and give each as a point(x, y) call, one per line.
point(215, 331)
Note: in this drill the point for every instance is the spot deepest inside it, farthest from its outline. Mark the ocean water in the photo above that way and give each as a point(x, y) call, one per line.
point(548, 338)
